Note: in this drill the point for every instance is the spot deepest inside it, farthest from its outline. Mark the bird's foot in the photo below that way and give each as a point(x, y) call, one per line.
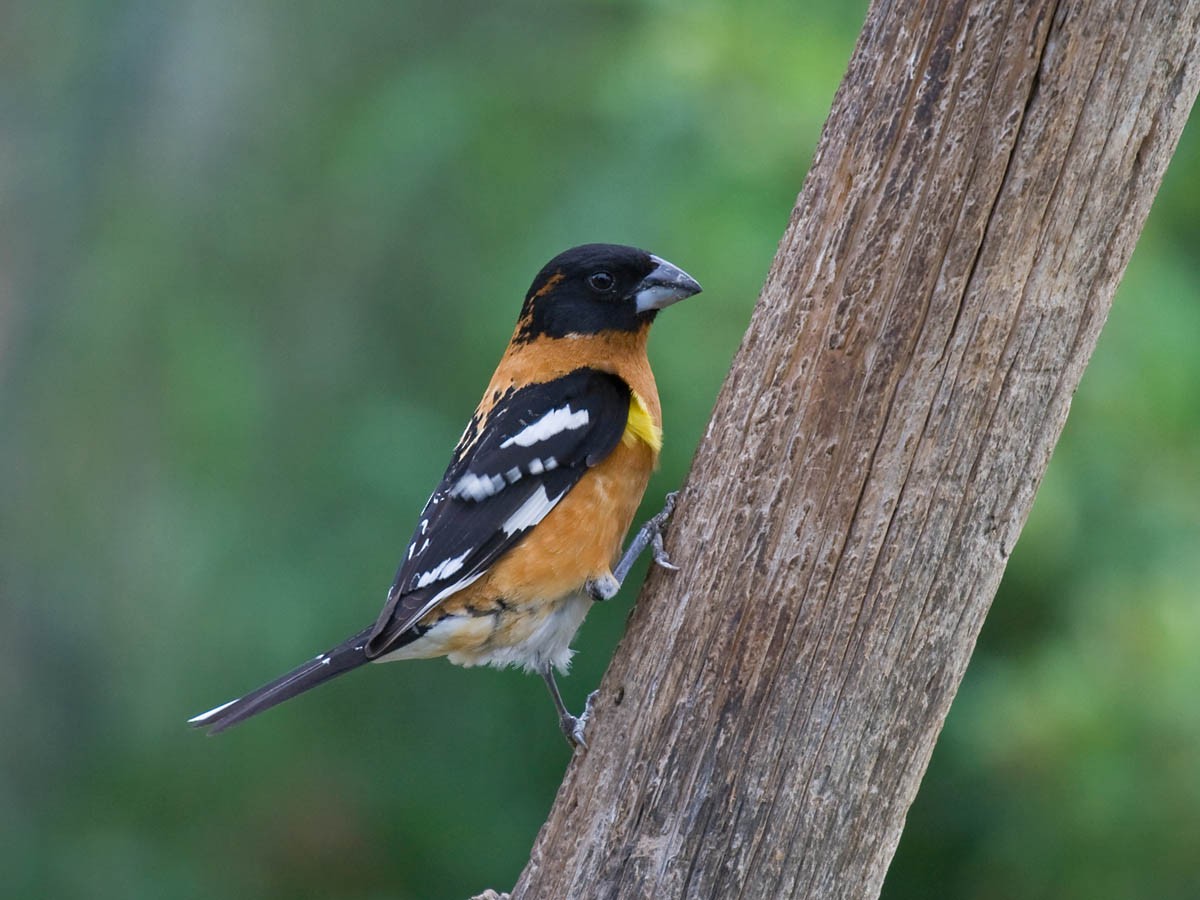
point(649, 535)
point(660, 553)
point(573, 728)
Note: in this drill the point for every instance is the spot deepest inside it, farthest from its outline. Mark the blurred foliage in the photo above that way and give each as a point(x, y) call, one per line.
point(257, 260)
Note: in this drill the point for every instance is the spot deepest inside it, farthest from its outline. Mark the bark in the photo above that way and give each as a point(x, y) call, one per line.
point(973, 202)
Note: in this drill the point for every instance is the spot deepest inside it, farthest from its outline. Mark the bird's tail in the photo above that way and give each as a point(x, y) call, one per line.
point(350, 654)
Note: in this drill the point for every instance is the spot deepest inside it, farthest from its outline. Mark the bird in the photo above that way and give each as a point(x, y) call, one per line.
point(525, 530)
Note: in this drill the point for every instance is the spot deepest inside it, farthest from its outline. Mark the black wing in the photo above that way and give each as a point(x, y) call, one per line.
point(513, 465)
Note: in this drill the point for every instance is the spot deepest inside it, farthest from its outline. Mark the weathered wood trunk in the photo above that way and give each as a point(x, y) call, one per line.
point(976, 195)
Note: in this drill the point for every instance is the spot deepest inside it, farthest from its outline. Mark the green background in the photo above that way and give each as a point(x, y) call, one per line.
point(257, 260)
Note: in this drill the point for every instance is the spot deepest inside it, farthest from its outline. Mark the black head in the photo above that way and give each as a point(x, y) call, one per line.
point(601, 287)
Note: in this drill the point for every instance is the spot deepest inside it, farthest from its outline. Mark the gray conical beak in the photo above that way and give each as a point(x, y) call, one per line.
point(665, 285)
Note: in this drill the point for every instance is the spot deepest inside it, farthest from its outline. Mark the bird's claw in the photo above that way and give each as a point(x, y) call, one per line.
point(657, 521)
point(574, 728)
point(660, 518)
point(660, 553)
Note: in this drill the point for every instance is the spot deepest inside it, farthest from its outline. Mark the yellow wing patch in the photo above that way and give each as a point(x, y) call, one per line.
point(641, 426)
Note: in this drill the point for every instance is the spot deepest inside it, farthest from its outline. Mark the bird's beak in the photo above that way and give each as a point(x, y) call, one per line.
point(665, 285)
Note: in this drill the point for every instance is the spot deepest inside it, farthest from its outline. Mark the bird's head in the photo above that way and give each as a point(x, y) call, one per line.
point(601, 287)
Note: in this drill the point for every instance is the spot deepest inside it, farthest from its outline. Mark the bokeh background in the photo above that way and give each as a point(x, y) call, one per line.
point(256, 261)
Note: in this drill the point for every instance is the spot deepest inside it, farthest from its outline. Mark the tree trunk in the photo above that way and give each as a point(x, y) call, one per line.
point(874, 452)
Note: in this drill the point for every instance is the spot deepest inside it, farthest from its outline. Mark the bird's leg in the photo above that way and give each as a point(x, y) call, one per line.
point(572, 728)
point(605, 588)
point(650, 535)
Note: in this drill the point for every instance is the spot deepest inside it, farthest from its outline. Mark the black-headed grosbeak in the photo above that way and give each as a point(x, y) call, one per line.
point(522, 533)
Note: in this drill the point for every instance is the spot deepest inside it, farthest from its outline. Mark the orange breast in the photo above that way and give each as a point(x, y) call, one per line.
point(531, 591)
point(528, 588)
point(581, 538)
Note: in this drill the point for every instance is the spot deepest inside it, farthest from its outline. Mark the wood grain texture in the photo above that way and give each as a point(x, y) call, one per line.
point(873, 455)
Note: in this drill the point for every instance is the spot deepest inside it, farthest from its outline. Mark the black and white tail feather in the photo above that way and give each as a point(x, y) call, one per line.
point(350, 654)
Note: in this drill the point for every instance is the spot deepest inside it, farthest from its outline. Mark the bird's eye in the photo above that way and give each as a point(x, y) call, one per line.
point(601, 282)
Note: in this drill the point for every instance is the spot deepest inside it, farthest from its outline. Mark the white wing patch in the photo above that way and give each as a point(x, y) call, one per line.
point(538, 466)
point(478, 487)
point(444, 569)
point(472, 486)
point(530, 512)
point(552, 423)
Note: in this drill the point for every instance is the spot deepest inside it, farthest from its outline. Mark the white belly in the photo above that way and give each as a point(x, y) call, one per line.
point(517, 637)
